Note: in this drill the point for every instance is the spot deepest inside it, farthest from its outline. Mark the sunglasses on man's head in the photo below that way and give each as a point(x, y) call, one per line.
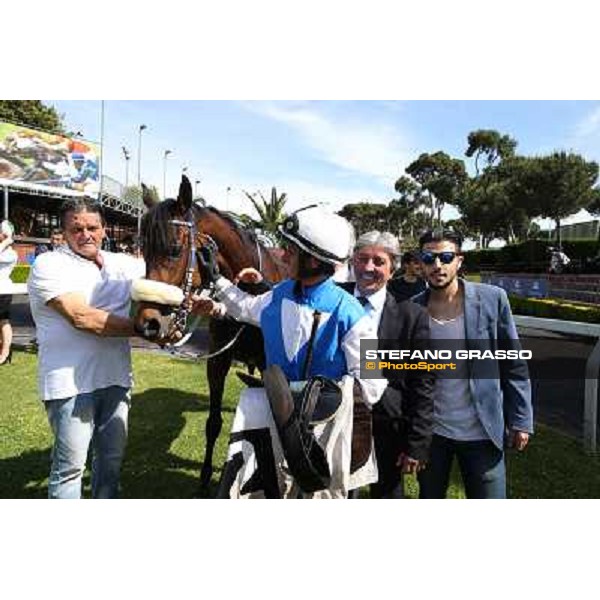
point(445, 257)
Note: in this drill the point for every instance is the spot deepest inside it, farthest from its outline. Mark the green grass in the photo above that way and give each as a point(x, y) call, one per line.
point(166, 439)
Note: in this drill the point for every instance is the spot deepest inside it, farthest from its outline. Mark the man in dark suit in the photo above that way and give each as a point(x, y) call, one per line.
point(402, 418)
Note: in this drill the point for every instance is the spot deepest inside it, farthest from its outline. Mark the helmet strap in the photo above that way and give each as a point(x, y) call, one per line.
point(307, 266)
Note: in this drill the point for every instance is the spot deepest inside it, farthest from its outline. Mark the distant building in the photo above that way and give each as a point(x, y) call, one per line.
point(587, 230)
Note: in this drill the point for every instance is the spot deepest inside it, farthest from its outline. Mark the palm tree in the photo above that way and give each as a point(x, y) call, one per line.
point(270, 212)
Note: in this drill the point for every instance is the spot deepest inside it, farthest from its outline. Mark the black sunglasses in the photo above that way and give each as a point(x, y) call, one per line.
point(445, 257)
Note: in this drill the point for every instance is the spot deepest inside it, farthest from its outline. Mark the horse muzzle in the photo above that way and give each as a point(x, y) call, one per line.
point(154, 326)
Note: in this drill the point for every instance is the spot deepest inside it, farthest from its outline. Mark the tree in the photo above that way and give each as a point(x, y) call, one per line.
point(491, 145)
point(488, 206)
point(366, 216)
point(33, 113)
point(411, 212)
point(442, 177)
point(557, 185)
point(270, 212)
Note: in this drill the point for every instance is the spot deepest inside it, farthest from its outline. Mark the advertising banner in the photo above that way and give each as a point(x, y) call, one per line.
point(36, 158)
point(519, 286)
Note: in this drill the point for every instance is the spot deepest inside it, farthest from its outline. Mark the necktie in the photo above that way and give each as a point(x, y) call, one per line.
point(363, 300)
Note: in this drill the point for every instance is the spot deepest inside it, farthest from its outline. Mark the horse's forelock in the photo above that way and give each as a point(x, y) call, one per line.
point(156, 232)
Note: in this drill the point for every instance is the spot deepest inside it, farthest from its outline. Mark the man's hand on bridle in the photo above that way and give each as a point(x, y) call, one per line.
point(207, 257)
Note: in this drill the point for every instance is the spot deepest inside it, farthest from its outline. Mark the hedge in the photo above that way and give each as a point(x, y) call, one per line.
point(20, 274)
point(548, 308)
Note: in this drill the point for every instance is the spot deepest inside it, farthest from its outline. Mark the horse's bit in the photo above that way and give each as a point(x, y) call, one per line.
point(183, 312)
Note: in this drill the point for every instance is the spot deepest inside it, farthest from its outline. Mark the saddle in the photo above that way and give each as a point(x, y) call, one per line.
point(319, 402)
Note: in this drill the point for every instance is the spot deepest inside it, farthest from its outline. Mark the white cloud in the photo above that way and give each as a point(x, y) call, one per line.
point(378, 150)
point(589, 125)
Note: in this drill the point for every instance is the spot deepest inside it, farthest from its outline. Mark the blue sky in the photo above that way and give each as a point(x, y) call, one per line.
point(327, 151)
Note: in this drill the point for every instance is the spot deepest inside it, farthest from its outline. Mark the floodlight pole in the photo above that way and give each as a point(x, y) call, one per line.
point(167, 152)
point(139, 223)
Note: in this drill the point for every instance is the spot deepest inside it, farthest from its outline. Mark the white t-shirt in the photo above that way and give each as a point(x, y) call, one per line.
point(71, 361)
point(8, 260)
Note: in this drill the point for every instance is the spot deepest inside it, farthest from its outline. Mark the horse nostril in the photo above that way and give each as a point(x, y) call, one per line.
point(151, 328)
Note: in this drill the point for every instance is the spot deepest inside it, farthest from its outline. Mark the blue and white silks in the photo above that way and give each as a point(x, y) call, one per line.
point(286, 320)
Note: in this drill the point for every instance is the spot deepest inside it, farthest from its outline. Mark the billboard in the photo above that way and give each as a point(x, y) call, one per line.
point(529, 287)
point(36, 158)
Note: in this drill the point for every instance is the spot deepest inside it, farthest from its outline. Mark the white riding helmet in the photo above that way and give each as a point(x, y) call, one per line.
point(321, 233)
point(7, 228)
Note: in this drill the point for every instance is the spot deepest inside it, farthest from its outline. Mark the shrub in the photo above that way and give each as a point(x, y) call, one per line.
point(548, 308)
point(20, 274)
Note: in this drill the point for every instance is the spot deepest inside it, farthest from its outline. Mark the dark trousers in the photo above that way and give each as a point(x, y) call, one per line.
point(481, 465)
point(388, 440)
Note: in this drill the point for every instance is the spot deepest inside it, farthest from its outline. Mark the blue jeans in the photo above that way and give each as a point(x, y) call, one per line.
point(99, 417)
point(481, 465)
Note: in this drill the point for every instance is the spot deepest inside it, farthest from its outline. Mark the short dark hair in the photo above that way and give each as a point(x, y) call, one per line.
point(77, 205)
point(410, 256)
point(57, 231)
point(441, 235)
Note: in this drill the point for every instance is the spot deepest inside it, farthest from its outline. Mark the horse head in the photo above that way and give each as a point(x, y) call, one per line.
point(167, 234)
point(172, 233)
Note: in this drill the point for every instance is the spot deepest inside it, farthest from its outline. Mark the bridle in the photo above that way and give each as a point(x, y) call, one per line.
point(187, 286)
point(181, 316)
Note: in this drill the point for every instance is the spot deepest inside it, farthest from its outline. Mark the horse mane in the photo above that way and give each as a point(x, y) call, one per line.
point(245, 234)
point(157, 236)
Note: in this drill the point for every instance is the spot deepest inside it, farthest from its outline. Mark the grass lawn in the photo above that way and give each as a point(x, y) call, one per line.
point(166, 439)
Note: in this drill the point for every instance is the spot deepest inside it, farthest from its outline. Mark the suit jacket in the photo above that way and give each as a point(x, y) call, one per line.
point(504, 401)
point(409, 395)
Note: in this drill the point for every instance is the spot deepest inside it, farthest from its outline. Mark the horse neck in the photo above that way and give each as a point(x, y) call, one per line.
point(235, 252)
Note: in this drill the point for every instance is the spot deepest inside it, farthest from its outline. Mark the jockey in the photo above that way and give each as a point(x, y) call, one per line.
point(293, 438)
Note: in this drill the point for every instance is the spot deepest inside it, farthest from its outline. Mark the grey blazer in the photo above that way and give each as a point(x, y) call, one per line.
point(503, 402)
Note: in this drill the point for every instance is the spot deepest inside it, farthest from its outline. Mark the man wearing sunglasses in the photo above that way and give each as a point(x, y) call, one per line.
point(475, 416)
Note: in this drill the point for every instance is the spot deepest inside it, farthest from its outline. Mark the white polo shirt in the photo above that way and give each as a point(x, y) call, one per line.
point(71, 361)
point(8, 260)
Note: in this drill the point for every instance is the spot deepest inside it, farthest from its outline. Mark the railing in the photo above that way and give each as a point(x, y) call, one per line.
point(592, 369)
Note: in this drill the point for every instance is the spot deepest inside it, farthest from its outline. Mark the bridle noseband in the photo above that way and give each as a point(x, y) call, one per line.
point(182, 313)
point(187, 287)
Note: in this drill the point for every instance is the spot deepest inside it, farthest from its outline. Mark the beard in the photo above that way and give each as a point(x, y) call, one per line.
point(443, 285)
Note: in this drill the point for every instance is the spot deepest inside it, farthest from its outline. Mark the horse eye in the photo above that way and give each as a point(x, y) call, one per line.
point(175, 251)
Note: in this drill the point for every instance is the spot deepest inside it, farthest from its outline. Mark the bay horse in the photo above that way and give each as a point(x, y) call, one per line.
point(173, 231)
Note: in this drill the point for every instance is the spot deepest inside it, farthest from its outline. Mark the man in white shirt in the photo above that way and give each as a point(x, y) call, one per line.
point(80, 299)
point(402, 418)
point(8, 260)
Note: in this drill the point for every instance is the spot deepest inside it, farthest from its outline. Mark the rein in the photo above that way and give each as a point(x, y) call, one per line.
point(183, 312)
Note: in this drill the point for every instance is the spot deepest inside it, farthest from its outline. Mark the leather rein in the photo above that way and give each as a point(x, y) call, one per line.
point(183, 312)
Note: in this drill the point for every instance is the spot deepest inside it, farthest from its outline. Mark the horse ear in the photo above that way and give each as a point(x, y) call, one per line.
point(148, 198)
point(184, 199)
